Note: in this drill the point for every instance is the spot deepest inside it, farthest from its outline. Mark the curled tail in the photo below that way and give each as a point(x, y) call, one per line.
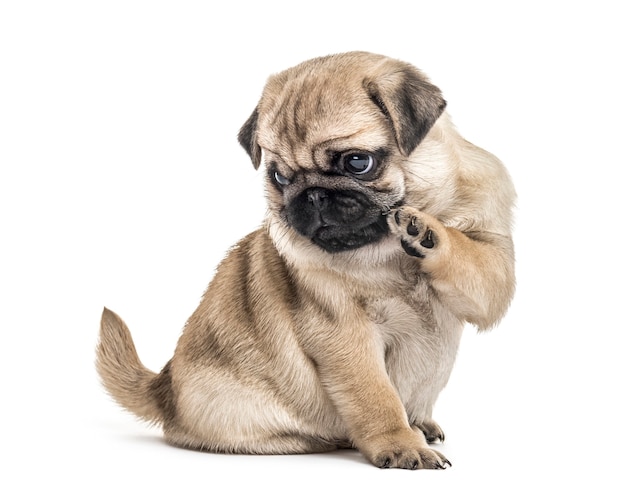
point(127, 380)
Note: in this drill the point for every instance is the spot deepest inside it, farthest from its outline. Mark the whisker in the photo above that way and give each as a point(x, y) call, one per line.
point(420, 177)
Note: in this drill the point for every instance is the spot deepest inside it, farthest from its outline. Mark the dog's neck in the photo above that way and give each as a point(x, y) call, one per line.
point(369, 264)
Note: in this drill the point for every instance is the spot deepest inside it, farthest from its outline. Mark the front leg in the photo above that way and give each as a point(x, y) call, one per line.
point(472, 271)
point(352, 370)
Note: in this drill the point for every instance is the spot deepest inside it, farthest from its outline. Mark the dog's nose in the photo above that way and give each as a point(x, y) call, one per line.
point(317, 197)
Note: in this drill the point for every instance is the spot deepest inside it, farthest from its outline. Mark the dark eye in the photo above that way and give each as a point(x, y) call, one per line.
point(359, 163)
point(280, 179)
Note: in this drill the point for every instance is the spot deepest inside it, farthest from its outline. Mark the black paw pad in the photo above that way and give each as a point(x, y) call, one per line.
point(412, 229)
point(410, 250)
point(428, 242)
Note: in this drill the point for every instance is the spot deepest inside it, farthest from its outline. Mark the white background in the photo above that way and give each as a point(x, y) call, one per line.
point(122, 184)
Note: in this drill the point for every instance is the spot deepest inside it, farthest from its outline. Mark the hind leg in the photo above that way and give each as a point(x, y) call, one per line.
point(286, 443)
point(251, 420)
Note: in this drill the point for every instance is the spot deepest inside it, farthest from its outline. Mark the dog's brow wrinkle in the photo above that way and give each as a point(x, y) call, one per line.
point(299, 119)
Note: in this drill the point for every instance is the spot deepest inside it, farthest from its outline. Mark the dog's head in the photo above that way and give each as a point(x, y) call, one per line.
point(333, 133)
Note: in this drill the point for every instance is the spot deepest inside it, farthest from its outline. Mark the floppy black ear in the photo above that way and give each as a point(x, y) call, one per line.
point(411, 103)
point(247, 138)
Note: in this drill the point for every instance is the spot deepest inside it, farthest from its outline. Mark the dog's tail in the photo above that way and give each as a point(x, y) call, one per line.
point(126, 379)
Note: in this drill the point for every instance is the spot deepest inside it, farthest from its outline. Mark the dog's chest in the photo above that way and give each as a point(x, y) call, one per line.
point(416, 323)
point(420, 339)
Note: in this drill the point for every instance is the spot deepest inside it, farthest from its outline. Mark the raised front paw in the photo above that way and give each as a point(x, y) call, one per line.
point(420, 234)
point(403, 449)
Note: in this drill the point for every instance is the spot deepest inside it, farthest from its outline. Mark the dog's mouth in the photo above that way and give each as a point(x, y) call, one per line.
point(335, 239)
point(337, 220)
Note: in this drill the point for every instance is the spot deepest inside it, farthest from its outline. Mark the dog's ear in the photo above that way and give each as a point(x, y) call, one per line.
point(409, 101)
point(247, 138)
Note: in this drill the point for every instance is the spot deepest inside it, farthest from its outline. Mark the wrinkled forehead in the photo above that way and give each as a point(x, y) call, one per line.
point(308, 113)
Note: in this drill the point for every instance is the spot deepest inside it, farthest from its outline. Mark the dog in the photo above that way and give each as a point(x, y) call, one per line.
point(336, 324)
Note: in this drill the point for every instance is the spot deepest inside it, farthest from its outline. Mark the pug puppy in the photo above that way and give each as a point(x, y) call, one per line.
point(336, 324)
